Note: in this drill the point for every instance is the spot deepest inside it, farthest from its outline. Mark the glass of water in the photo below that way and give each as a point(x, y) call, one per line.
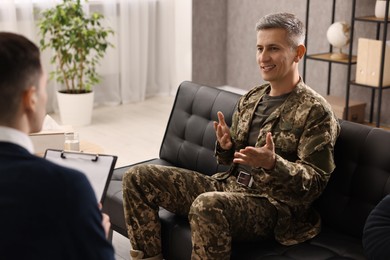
point(72, 142)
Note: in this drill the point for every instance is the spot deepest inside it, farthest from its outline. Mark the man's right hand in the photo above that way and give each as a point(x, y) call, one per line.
point(222, 132)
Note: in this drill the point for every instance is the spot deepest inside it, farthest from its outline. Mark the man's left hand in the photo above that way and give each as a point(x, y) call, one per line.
point(258, 157)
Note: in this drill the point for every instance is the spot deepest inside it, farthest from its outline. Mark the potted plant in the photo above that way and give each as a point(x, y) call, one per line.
point(78, 42)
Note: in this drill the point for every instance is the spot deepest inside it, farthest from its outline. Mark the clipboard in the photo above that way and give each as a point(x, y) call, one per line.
point(98, 168)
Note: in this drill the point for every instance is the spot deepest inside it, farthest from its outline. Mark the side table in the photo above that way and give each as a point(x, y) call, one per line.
point(88, 147)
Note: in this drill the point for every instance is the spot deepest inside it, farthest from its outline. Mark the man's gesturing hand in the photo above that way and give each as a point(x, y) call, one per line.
point(257, 157)
point(222, 132)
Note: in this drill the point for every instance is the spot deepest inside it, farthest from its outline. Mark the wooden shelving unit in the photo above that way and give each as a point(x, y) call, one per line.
point(327, 57)
point(352, 59)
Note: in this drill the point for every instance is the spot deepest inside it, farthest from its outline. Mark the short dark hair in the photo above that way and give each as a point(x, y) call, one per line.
point(289, 22)
point(20, 68)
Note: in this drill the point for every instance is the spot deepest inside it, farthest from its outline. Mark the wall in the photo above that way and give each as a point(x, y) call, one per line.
point(224, 43)
point(209, 41)
point(183, 41)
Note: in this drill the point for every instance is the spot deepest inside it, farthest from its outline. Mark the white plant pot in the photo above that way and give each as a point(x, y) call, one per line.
point(75, 109)
point(380, 8)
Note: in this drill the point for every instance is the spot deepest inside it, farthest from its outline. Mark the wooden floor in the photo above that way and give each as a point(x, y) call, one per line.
point(133, 132)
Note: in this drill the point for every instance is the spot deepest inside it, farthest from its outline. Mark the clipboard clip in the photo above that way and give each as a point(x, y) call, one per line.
point(79, 155)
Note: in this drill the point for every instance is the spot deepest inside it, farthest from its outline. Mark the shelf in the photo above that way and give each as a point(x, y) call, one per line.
point(372, 19)
point(326, 57)
point(367, 86)
point(356, 108)
point(351, 60)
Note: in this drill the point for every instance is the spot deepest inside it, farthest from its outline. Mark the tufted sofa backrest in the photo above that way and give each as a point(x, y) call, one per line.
point(190, 137)
point(361, 178)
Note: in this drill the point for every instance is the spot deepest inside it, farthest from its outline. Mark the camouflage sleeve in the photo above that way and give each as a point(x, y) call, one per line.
point(224, 156)
point(307, 177)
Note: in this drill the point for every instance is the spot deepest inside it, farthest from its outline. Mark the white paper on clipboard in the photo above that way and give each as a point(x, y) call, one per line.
point(97, 167)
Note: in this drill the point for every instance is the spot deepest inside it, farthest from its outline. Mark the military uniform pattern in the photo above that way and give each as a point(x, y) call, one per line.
point(304, 131)
point(278, 204)
point(217, 210)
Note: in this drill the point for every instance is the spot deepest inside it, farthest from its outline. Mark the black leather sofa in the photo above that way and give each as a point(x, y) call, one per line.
point(360, 181)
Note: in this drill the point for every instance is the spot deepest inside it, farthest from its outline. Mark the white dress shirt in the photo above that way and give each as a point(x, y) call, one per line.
point(17, 137)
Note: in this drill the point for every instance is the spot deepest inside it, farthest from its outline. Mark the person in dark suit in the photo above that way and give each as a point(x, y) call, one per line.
point(376, 232)
point(46, 211)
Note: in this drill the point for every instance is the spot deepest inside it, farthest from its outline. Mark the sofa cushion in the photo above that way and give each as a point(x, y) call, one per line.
point(330, 244)
point(361, 178)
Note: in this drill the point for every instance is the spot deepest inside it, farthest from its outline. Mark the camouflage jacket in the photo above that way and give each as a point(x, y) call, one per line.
point(304, 131)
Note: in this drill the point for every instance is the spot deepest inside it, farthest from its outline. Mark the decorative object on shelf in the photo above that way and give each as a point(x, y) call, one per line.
point(338, 37)
point(368, 65)
point(79, 41)
point(380, 9)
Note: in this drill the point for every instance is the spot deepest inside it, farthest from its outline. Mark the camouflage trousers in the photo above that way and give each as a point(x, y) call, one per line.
point(218, 211)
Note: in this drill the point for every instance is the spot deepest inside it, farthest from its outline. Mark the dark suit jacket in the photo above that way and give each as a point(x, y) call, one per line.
point(47, 211)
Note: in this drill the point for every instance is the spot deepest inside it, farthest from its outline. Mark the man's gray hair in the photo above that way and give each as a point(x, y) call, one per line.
point(289, 22)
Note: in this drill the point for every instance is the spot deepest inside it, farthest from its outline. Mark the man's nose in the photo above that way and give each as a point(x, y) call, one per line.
point(264, 56)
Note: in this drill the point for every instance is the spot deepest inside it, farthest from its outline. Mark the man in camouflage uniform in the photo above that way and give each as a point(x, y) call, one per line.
point(280, 148)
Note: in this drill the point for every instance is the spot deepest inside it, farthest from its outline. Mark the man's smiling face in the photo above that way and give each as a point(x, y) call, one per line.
point(275, 55)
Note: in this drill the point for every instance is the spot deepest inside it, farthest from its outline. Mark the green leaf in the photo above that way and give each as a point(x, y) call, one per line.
point(79, 42)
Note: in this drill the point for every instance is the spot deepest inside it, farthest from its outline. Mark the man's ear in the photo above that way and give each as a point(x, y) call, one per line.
point(30, 98)
point(301, 49)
